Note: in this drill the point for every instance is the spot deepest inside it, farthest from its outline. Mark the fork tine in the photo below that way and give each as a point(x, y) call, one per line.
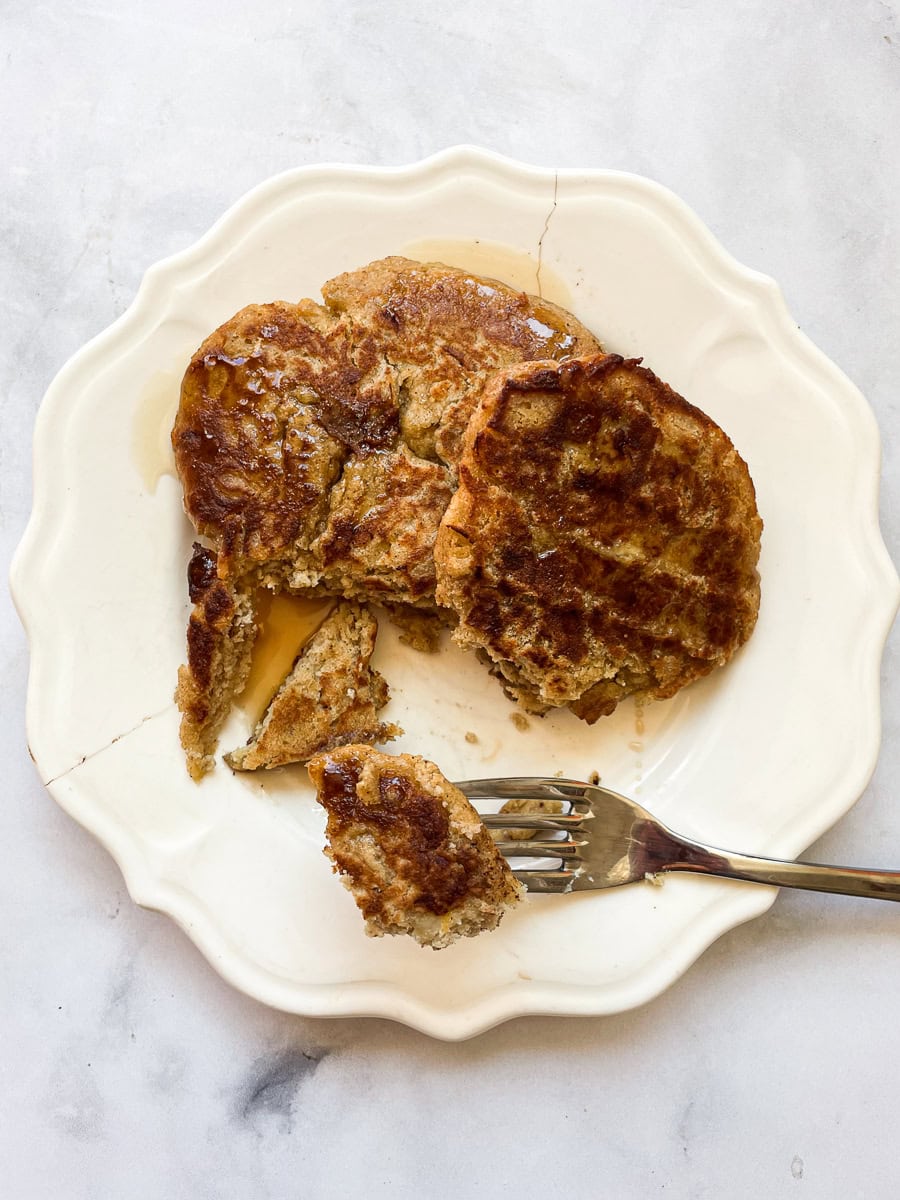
point(526, 787)
point(537, 849)
point(559, 880)
point(557, 821)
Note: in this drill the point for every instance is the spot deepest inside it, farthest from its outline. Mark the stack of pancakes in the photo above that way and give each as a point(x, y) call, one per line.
point(459, 453)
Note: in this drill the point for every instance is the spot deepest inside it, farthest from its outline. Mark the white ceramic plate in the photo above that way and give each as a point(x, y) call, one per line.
point(764, 756)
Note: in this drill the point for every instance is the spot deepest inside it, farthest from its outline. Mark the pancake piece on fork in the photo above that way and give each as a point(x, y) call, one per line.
point(410, 847)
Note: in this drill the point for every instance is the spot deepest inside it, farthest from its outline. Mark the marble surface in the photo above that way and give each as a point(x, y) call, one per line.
point(130, 1068)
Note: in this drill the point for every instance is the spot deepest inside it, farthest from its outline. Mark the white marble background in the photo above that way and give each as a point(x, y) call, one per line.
point(129, 1068)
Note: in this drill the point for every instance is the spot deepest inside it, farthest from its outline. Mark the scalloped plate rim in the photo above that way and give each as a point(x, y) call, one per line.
point(371, 998)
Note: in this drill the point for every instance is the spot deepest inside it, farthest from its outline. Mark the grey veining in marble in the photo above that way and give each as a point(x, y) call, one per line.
point(130, 1068)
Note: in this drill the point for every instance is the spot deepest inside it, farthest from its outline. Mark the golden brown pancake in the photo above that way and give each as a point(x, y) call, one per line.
point(272, 405)
point(603, 539)
point(284, 399)
point(309, 440)
point(330, 698)
point(221, 632)
point(441, 329)
point(410, 848)
point(378, 540)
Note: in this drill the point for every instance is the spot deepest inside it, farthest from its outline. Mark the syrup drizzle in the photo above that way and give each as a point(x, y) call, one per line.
point(286, 623)
point(516, 268)
point(151, 443)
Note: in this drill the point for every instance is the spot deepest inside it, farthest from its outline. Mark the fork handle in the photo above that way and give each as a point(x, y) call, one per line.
point(811, 877)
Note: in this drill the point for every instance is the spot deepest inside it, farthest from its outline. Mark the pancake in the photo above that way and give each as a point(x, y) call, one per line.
point(330, 698)
point(315, 444)
point(441, 329)
point(603, 539)
point(221, 631)
point(283, 399)
point(263, 432)
point(410, 848)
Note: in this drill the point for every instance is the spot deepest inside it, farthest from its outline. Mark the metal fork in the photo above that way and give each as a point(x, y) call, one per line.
point(609, 840)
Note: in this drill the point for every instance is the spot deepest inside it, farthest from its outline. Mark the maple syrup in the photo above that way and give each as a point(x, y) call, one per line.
point(516, 268)
point(286, 623)
point(152, 430)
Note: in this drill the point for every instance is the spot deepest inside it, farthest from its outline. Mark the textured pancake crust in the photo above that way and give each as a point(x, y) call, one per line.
point(603, 539)
point(221, 633)
point(330, 698)
point(272, 405)
point(285, 400)
point(441, 329)
point(315, 446)
point(410, 847)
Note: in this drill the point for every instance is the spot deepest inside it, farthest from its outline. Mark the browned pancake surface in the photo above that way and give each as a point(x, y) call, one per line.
point(220, 636)
point(441, 329)
point(282, 399)
point(603, 539)
point(309, 439)
point(330, 698)
point(410, 847)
